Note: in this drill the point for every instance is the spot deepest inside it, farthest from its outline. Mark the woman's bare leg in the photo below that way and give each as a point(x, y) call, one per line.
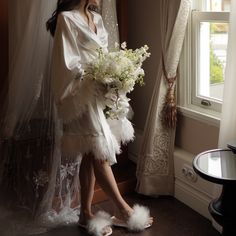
point(106, 180)
point(89, 169)
point(87, 183)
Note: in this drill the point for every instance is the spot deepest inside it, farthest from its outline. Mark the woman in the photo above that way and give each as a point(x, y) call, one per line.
point(78, 31)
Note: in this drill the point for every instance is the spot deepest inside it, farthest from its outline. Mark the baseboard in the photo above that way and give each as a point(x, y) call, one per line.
point(192, 198)
point(192, 190)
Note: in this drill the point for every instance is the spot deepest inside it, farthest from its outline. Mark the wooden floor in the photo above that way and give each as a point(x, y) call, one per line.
point(172, 218)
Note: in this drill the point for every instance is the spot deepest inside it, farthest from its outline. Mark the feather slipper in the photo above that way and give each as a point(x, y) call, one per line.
point(138, 221)
point(97, 225)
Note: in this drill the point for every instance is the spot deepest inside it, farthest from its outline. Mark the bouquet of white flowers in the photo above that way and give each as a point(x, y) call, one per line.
point(118, 71)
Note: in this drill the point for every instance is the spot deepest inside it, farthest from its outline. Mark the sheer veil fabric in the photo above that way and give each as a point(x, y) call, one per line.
point(39, 189)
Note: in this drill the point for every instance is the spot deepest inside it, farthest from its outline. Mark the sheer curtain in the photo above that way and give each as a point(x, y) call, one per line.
point(228, 113)
point(109, 15)
point(39, 189)
point(155, 172)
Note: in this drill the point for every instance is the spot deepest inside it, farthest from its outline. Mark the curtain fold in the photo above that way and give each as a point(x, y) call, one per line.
point(24, 74)
point(228, 114)
point(155, 169)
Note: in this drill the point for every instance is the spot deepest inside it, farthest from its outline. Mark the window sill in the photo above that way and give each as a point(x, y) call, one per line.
point(200, 114)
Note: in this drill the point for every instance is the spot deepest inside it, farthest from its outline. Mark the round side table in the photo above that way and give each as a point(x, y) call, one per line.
point(219, 166)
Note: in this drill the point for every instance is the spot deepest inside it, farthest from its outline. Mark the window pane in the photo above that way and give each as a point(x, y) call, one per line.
point(212, 59)
point(216, 5)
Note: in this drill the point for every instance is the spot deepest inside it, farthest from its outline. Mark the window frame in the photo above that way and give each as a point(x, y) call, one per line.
point(187, 87)
point(197, 18)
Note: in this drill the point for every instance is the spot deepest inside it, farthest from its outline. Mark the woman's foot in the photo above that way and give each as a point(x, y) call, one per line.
point(97, 225)
point(135, 219)
point(85, 216)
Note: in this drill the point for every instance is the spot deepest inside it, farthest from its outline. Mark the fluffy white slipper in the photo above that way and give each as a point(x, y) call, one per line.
point(138, 221)
point(98, 223)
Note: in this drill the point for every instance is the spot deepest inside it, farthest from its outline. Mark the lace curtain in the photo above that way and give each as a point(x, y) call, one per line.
point(39, 189)
point(155, 170)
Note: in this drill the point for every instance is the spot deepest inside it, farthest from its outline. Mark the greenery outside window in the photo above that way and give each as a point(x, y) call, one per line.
point(204, 56)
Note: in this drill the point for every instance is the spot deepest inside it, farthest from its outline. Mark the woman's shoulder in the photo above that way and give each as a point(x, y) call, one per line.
point(65, 16)
point(74, 14)
point(68, 18)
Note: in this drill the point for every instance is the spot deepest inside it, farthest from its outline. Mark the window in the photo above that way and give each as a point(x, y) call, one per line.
point(204, 55)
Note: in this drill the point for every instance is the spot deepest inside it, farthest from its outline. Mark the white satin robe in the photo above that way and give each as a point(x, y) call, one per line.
point(79, 103)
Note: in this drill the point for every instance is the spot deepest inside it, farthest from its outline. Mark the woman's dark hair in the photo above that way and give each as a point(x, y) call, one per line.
point(63, 5)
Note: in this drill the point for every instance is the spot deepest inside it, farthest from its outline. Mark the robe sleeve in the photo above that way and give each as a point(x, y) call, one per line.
point(71, 92)
point(66, 67)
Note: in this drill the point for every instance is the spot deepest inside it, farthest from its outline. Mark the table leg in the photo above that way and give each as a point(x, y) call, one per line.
point(223, 209)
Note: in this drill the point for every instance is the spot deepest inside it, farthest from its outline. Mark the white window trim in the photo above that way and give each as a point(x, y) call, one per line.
point(197, 18)
point(185, 106)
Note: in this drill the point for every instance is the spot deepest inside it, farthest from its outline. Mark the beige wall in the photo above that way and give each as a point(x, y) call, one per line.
point(144, 28)
point(195, 136)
